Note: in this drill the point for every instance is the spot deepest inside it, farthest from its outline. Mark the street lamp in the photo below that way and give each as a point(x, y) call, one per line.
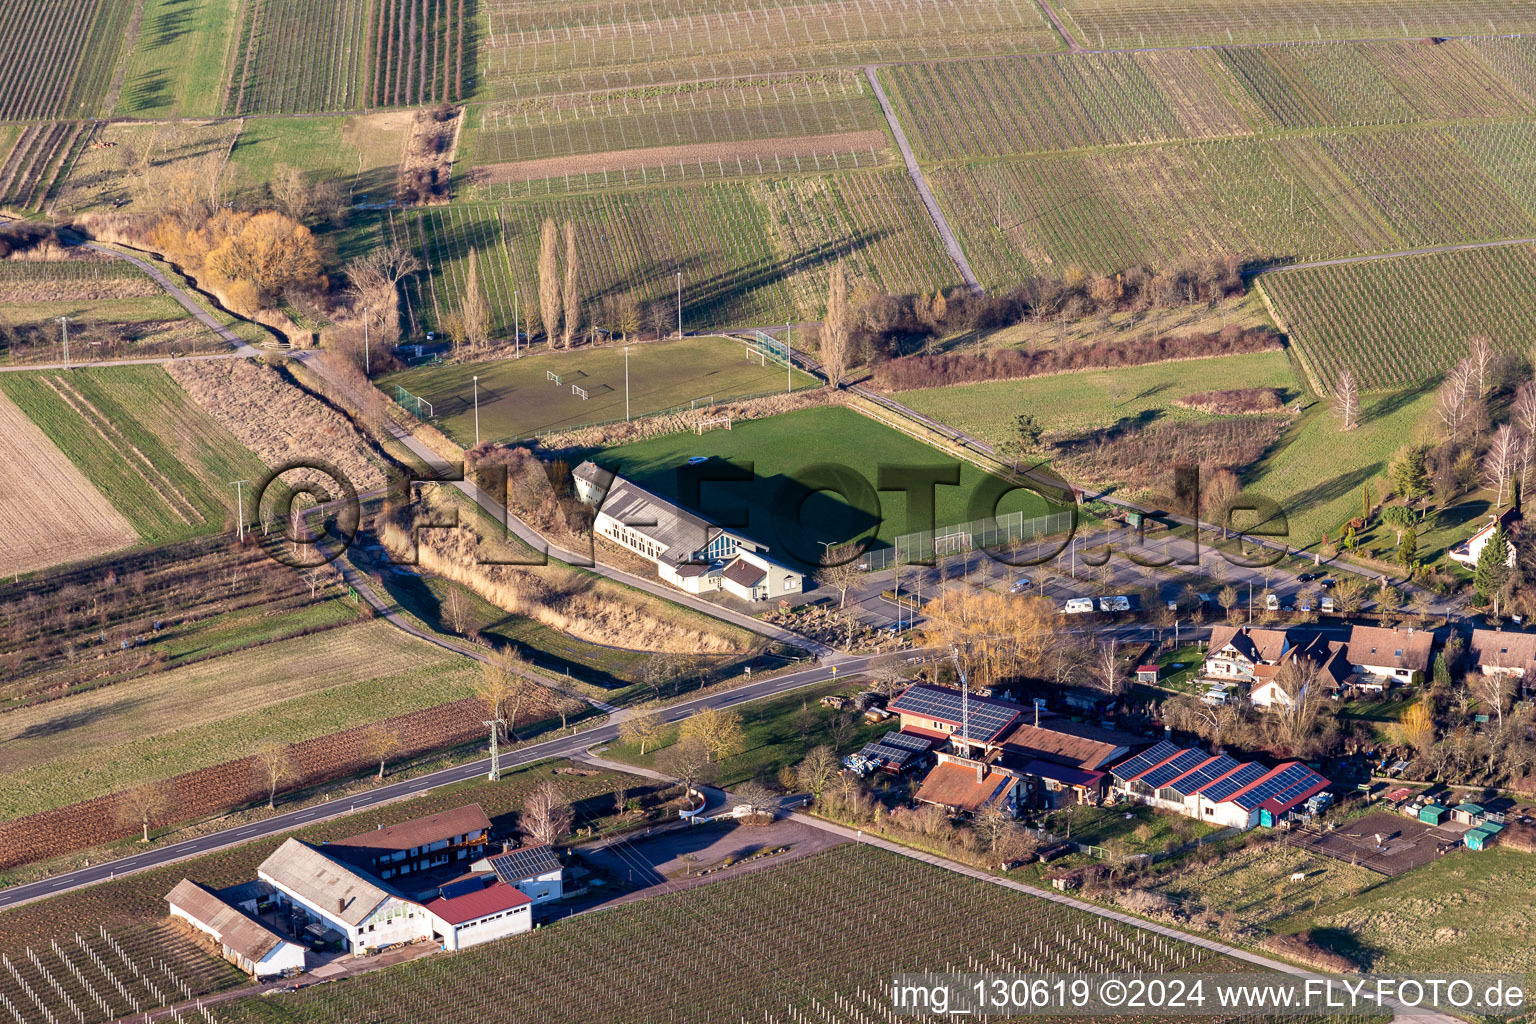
point(477, 408)
point(679, 303)
point(64, 321)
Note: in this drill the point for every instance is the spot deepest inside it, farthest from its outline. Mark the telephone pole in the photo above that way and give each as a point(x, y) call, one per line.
point(367, 359)
point(495, 725)
point(626, 383)
point(64, 321)
point(239, 486)
point(679, 303)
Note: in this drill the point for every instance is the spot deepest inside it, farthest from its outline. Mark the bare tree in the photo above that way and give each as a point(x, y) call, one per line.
point(503, 687)
point(546, 814)
point(839, 570)
point(1502, 461)
point(274, 766)
point(572, 297)
point(1451, 399)
point(549, 279)
point(835, 339)
point(1297, 716)
point(380, 743)
point(477, 330)
point(1108, 672)
point(818, 769)
point(718, 729)
point(1346, 394)
point(757, 798)
point(688, 762)
point(1492, 690)
point(456, 610)
point(642, 729)
point(145, 805)
point(1479, 353)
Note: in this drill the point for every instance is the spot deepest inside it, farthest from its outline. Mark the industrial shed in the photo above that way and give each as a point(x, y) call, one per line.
point(242, 940)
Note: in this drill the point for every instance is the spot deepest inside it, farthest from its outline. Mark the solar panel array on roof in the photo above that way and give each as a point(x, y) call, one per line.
point(1183, 761)
point(906, 741)
point(1159, 751)
point(987, 719)
point(1272, 787)
point(1215, 768)
point(1293, 792)
point(1247, 775)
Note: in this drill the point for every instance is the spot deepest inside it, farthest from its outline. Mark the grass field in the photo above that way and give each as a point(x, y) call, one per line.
point(751, 252)
point(1468, 909)
point(781, 449)
point(778, 733)
point(1316, 472)
point(1147, 830)
point(1091, 399)
point(163, 463)
point(531, 49)
point(214, 711)
point(362, 153)
point(177, 65)
point(1132, 23)
point(49, 511)
point(136, 165)
point(1402, 321)
point(866, 913)
point(517, 399)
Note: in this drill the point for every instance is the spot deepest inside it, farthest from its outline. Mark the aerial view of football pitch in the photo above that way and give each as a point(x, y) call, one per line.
point(560, 390)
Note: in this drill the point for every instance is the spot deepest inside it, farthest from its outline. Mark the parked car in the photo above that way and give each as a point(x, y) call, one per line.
point(697, 460)
point(1078, 605)
point(1020, 585)
point(1114, 604)
point(1327, 605)
point(1272, 602)
point(1327, 584)
point(1307, 577)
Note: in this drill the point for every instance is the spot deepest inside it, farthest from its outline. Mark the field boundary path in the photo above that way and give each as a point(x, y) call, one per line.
point(571, 746)
point(1428, 250)
point(915, 172)
point(1073, 46)
point(858, 836)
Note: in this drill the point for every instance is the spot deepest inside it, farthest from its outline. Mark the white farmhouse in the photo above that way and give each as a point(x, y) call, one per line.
point(1467, 553)
point(534, 870)
point(333, 894)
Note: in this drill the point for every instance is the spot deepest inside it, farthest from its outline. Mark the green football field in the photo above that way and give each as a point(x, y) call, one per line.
point(789, 455)
point(518, 398)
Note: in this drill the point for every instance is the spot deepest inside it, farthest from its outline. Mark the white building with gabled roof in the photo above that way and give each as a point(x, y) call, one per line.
point(688, 551)
point(332, 893)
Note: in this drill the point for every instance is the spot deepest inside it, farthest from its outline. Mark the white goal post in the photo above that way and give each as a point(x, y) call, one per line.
point(707, 400)
point(551, 375)
point(712, 423)
point(577, 389)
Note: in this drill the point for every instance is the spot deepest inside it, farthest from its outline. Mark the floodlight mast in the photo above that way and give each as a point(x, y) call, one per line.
point(965, 697)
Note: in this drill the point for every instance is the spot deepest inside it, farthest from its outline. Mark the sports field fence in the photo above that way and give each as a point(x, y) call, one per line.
point(994, 532)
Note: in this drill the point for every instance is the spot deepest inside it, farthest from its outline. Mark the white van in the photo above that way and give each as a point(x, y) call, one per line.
point(1114, 604)
point(1078, 605)
point(1327, 605)
point(1272, 602)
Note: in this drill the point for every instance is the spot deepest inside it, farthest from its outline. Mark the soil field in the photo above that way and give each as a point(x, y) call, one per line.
point(49, 510)
point(517, 398)
point(725, 158)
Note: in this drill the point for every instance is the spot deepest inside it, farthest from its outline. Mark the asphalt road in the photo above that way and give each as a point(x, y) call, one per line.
point(564, 746)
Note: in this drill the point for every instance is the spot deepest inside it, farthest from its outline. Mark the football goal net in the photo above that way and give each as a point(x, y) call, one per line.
point(706, 401)
point(553, 377)
point(580, 392)
point(712, 423)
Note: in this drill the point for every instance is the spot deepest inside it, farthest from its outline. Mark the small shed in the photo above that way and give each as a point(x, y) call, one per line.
point(1468, 813)
point(1148, 673)
point(1433, 814)
point(1482, 837)
point(1398, 795)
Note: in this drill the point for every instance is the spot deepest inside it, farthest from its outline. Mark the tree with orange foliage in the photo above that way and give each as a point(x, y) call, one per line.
point(1418, 726)
point(995, 636)
point(269, 251)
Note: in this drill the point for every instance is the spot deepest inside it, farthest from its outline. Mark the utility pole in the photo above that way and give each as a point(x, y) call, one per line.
point(626, 383)
point(679, 303)
point(239, 486)
point(517, 334)
point(367, 357)
point(789, 361)
point(477, 408)
point(64, 320)
point(495, 725)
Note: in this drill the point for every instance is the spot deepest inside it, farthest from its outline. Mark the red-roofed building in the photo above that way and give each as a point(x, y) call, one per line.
point(470, 912)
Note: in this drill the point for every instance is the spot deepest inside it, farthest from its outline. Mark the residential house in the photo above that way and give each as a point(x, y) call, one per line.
point(971, 724)
point(409, 847)
point(1501, 652)
point(535, 870)
point(1236, 652)
point(688, 551)
point(1328, 660)
point(969, 786)
point(1381, 656)
point(242, 940)
point(1215, 787)
point(1468, 552)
